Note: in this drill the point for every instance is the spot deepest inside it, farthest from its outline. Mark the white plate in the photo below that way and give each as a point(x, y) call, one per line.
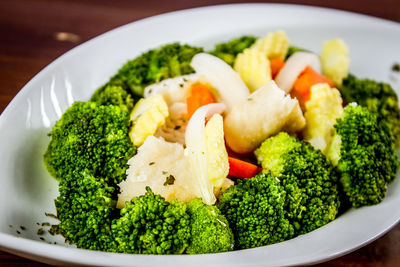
point(27, 191)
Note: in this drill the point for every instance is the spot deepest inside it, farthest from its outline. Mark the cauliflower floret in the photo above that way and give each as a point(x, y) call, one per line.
point(165, 168)
point(162, 166)
point(175, 92)
point(175, 124)
point(265, 112)
point(322, 110)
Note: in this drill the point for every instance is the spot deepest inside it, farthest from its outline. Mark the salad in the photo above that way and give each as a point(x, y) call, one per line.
point(186, 151)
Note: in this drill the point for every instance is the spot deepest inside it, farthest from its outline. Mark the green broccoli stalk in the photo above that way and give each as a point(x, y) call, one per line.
point(310, 182)
point(155, 65)
point(90, 137)
point(255, 211)
point(229, 50)
point(363, 150)
point(85, 209)
point(378, 98)
point(151, 225)
point(209, 229)
point(113, 95)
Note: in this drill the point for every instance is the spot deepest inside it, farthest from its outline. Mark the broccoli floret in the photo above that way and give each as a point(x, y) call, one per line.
point(151, 225)
point(90, 137)
point(310, 181)
point(364, 153)
point(85, 209)
point(229, 50)
point(209, 229)
point(113, 95)
point(155, 65)
point(379, 98)
point(255, 211)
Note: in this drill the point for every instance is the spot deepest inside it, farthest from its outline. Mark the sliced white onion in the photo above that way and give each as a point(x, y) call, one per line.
point(231, 88)
point(196, 149)
point(294, 65)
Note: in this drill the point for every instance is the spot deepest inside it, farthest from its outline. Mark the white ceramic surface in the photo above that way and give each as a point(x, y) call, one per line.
point(27, 191)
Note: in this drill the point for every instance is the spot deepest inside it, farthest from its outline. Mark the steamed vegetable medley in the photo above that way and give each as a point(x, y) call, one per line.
point(253, 143)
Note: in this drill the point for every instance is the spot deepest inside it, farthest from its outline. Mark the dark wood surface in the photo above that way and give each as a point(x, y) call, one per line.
point(35, 32)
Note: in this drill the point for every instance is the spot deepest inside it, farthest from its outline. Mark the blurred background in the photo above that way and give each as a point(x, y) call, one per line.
point(33, 33)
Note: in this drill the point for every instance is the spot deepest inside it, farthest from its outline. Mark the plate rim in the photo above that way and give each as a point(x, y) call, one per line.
point(14, 244)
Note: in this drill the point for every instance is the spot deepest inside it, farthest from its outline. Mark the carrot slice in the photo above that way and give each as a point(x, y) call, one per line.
point(199, 96)
point(302, 86)
point(242, 169)
point(276, 65)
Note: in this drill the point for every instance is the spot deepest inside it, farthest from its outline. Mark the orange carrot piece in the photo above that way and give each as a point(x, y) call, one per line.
point(242, 169)
point(276, 65)
point(199, 96)
point(302, 86)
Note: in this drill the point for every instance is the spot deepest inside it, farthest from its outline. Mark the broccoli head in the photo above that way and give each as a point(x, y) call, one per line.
point(151, 225)
point(229, 50)
point(210, 229)
point(155, 65)
point(255, 211)
point(113, 95)
point(90, 137)
point(85, 209)
point(363, 150)
point(310, 181)
point(378, 98)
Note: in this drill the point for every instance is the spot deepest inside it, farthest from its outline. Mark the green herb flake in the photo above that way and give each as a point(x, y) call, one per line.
point(40, 231)
point(54, 230)
point(169, 180)
point(396, 67)
point(151, 163)
point(50, 215)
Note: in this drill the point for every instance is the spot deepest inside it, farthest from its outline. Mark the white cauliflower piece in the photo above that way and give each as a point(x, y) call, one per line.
point(163, 167)
point(175, 124)
point(266, 112)
point(174, 92)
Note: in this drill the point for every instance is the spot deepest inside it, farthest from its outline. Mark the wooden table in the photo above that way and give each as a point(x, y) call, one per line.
point(35, 32)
